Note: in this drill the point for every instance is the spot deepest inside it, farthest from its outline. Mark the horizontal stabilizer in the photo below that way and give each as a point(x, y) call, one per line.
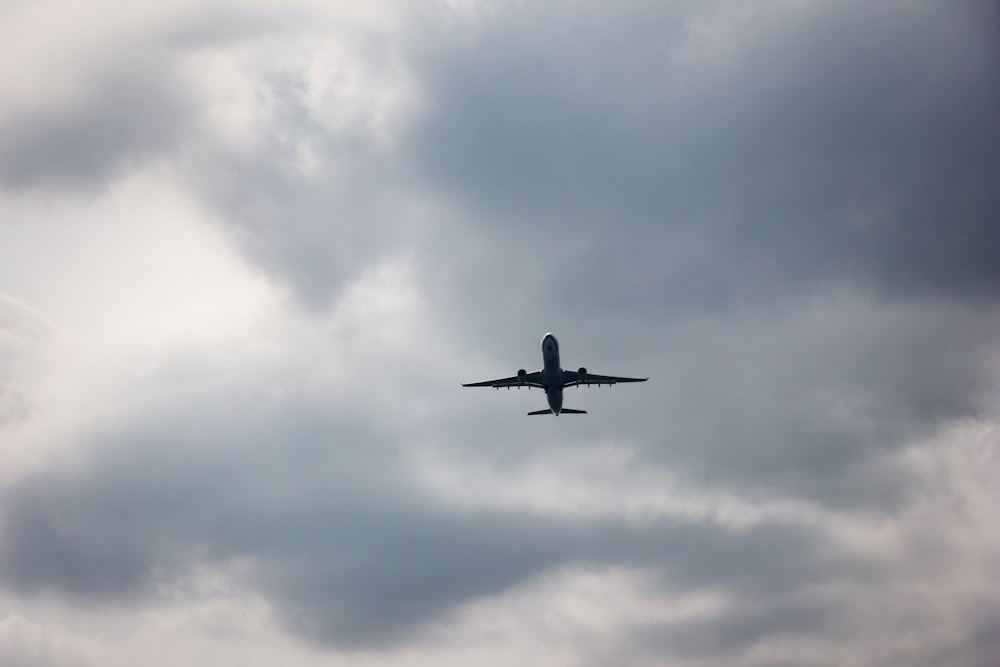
point(540, 412)
point(565, 411)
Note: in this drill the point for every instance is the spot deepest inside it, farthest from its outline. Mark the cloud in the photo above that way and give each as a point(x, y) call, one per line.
point(268, 245)
point(22, 331)
point(332, 528)
point(87, 142)
point(298, 160)
point(817, 401)
point(730, 154)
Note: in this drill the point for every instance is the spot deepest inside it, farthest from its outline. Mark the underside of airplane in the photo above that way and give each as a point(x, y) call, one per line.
point(553, 379)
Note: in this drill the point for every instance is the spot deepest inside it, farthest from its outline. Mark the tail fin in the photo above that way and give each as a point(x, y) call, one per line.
point(565, 411)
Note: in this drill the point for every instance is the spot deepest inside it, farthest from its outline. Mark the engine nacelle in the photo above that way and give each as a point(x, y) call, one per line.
point(582, 373)
point(521, 375)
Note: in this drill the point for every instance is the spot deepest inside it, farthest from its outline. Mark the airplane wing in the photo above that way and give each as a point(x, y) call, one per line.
point(526, 380)
point(573, 379)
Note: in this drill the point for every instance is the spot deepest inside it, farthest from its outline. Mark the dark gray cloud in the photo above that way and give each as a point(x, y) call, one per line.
point(817, 406)
point(687, 174)
point(731, 633)
point(832, 143)
point(132, 112)
point(339, 538)
point(814, 401)
point(732, 155)
point(982, 646)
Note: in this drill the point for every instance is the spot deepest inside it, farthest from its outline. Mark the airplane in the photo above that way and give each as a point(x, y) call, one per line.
point(553, 379)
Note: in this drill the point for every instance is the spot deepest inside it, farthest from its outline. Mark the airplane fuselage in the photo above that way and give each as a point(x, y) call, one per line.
point(553, 379)
point(552, 375)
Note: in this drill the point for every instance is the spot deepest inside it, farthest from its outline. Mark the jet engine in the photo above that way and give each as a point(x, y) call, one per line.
point(520, 375)
point(582, 373)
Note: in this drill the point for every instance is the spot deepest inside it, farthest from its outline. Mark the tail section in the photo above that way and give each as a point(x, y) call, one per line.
point(565, 411)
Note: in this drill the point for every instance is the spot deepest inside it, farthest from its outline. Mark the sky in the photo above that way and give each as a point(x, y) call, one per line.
point(250, 250)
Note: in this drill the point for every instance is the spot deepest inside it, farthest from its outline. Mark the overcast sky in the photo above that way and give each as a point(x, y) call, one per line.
point(249, 252)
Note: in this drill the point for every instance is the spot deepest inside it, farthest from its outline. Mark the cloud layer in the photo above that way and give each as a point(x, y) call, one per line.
point(248, 254)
